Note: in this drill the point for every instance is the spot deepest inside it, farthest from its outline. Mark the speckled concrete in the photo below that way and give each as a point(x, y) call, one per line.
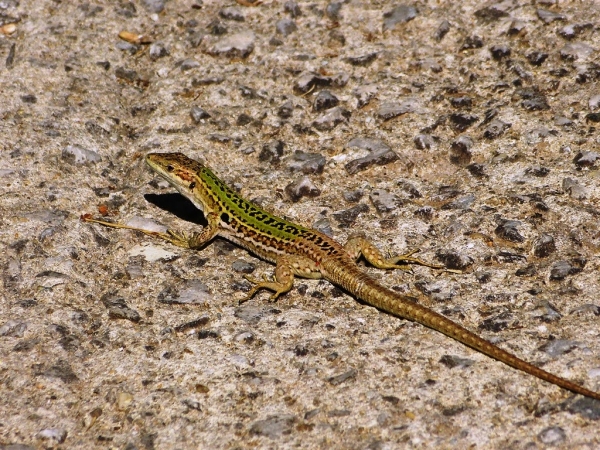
point(468, 131)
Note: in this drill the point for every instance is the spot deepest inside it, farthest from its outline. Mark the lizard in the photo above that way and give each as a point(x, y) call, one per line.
point(301, 251)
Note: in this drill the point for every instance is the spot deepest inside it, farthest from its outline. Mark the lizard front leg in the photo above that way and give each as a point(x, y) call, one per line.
point(178, 238)
point(287, 267)
point(357, 246)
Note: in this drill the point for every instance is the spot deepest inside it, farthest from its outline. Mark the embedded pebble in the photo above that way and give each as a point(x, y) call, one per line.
point(49, 216)
point(495, 129)
point(118, 309)
point(380, 154)
point(500, 51)
point(155, 6)
point(365, 93)
point(544, 245)
point(390, 110)
point(562, 269)
point(343, 377)
point(74, 154)
point(274, 426)
point(552, 436)
point(332, 118)
point(452, 361)
point(442, 30)
point(347, 217)
point(325, 100)
point(383, 201)
point(152, 253)
point(55, 436)
point(124, 401)
point(574, 189)
point(286, 110)
point(586, 159)
point(285, 26)
point(272, 151)
point(508, 230)
point(455, 260)
point(302, 187)
point(198, 114)
point(362, 60)
point(576, 51)
point(549, 16)
point(242, 266)
point(594, 102)
point(400, 14)
point(586, 407)
point(188, 64)
point(292, 8)
point(559, 347)
point(13, 328)
point(50, 278)
point(424, 141)
point(190, 292)
point(231, 13)
point(307, 163)
point(238, 45)
point(460, 150)
point(461, 121)
point(157, 50)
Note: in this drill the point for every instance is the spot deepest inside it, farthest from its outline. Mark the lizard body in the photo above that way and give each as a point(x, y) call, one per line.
point(301, 251)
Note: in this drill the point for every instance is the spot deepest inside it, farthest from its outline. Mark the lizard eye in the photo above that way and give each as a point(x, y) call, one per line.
point(192, 185)
point(170, 168)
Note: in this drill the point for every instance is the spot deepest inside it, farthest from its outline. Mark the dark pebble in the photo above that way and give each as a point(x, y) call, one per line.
point(286, 26)
point(325, 100)
point(495, 129)
point(272, 151)
point(302, 187)
point(400, 14)
point(507, 229)
point(347, 217)
point(499, 52)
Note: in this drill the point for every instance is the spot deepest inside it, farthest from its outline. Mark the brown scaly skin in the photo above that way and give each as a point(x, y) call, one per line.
point(300, 251)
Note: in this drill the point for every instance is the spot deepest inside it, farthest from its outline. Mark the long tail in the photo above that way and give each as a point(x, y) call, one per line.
point(362, 286)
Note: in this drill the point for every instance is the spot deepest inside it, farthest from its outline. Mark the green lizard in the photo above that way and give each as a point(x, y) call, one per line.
point(303, 252)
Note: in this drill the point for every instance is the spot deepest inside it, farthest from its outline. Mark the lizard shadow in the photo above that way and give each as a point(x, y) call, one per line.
point(178, 205)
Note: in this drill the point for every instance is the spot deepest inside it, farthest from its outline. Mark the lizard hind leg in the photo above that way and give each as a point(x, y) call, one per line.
point(358, 246)
point(287, 268)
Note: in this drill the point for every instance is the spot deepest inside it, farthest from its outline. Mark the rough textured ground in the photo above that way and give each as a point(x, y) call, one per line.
point(478, 128)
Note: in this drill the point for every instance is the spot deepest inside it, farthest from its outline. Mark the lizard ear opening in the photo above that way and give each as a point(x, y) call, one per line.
point(225, 217)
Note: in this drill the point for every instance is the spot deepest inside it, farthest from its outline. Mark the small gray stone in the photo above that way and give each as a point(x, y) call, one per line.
point(390, 110)
point(325, 100)
point(424, 141)
point(307, 163)
point(13, 328)
point(53, 435)
point(155, 6)
point(157, 50)
point(495, 129)
point(365, 93)
point(400, 14)
point(559, 347)
point(544, 245)
point(188, 64)
point(331, 118)
point(574, 189)
point(507, 229)
point(285, 26)
point(190, 292)
point(341, 378)
point(548, 16)
point(118, 309)
point(231, 13)
point(238, 45)
point(272, 151)
point(198, 114)
point(452, 361)
point(586, 407)
point(442, 30)
point(383, 201)
point(333, 11)
point(362, 60)
point(286, 110)
point(380, 154)
point(242, 266)
point(594, 102)
point(562, 269)
point(291, 7)
point(552, 436)
point(77, 155)
point(347, 217)
point(586, 159)
point(453, 259)
point(576, 51)
point(302, 187)
point(274, 426)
